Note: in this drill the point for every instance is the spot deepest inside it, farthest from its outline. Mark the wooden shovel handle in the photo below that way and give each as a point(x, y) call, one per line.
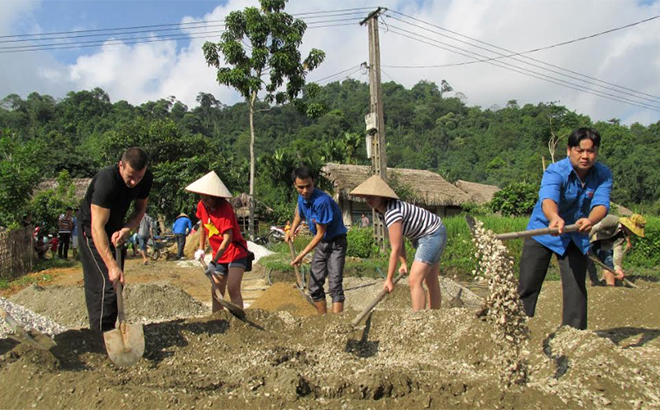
point(373, 304)
point(535, 232)
point(119, 289)
point(299, 280)
point(607, 268)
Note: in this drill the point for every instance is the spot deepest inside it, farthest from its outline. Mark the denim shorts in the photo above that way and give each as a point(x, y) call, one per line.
point(222, 269)
point(142, 242)
point(430, 247)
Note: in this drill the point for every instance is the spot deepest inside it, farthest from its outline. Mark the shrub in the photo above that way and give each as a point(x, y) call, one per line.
point(360, 242)
point(516, 199)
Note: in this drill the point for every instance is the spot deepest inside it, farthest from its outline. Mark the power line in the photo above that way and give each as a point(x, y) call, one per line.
point(626, 91)
point(150, 39)
point(328, 79)
point(520, 70)
point(612, 30)
point(157, 27)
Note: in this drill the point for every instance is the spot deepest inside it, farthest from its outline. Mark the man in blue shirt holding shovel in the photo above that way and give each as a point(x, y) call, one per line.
point(575, 190)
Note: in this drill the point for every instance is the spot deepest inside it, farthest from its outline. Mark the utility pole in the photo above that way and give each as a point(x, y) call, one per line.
point(375, 119)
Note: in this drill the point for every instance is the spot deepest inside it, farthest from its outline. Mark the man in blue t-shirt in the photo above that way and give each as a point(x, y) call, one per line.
point(325, 222)
point(575, 190)
point(181, 228)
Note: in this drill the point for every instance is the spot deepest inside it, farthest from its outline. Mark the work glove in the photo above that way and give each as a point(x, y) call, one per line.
point(199, 254)
point(211, 269)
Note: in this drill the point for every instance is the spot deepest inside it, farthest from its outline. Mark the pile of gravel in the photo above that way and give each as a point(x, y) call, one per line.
point(144, 303)
point(28, 320)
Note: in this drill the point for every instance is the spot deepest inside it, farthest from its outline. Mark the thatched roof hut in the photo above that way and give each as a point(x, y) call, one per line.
point(81, 185)
point(428, 188)
point(478, 193)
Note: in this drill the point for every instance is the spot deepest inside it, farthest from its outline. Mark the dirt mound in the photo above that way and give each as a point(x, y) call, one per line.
point(144, 303)
point(284, 296)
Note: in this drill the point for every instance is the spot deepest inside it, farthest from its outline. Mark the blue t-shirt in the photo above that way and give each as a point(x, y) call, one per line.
point(322, 209)
point(182, 226)
point(561, 184)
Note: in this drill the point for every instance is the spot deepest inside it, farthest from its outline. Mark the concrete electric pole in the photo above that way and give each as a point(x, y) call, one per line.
point(375, 120)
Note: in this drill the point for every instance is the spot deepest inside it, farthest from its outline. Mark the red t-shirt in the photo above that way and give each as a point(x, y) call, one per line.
point(224, 219)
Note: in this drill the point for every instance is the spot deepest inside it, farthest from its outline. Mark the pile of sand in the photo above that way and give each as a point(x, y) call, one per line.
point(283, 296)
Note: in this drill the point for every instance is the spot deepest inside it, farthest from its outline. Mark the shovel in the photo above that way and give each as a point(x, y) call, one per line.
point(299, 280)
point(373, 304)
point(125, 345)
point(523, 234)
point(233, 309)
point(607, 268)
point(39, 340)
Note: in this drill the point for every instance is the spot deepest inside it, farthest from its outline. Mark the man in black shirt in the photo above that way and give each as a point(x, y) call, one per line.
point(102, 226)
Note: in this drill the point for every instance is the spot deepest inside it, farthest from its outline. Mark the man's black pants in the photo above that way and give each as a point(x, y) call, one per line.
point(63, 246)
point(573, 269)
point(100, 294)
point(180, 244)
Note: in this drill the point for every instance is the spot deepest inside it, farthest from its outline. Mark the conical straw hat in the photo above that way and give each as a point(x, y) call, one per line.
point(210, 184)
point(635, 223)
point(374, 186)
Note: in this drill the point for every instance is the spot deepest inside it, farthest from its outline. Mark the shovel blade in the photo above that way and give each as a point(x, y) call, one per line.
point(125, 345)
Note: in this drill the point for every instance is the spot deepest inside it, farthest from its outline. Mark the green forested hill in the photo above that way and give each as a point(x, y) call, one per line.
point(426, 130)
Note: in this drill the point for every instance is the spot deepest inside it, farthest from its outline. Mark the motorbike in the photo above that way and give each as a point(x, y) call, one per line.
point(274, 236)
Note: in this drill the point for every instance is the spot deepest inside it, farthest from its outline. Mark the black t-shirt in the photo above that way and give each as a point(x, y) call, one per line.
point(109, 191)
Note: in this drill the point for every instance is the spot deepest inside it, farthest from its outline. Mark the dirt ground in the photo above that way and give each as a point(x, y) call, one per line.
point(287, 357)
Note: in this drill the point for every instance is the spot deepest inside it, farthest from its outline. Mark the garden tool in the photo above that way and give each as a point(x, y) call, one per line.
point(523, 234)
point(36, 339)
point(373, 304)
point(299, 281)
point(125, 345)
point(233, 309)
point(607, 268)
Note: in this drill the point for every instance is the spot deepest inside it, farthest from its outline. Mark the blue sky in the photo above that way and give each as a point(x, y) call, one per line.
point(137, 73)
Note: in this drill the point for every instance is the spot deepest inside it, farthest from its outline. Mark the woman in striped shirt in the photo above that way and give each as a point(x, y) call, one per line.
point(426, 231)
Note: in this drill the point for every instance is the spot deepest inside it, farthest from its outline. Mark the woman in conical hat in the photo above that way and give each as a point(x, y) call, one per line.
point(218, 223)
point(607, 238)
point(426, 231)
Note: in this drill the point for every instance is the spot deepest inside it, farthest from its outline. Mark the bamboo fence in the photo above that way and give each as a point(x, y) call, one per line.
point(16, 253)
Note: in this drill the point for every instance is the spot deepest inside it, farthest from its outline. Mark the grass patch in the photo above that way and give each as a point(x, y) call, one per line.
point(54, 263)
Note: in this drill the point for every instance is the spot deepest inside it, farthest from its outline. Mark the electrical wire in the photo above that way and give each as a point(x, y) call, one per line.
point(520, 70)
point(150, 39)
point(339, 74)
point(612, 86)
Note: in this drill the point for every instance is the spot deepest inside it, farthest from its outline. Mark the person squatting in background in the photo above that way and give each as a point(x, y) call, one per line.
point(607, 238)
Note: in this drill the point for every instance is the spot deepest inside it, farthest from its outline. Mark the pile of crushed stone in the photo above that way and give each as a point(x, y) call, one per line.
point(28, 320)
point(398, 359)
point(144, 303)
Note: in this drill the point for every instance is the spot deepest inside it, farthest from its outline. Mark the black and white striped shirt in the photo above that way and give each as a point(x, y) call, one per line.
point(417, 222)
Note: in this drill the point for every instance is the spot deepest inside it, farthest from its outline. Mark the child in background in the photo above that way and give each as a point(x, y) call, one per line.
point(54, 242)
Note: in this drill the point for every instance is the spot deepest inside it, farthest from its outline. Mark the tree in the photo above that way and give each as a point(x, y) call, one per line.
point(273, 37)
point(19, 174)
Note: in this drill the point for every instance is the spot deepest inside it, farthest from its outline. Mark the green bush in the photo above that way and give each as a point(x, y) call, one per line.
point(360, 242)
point(515, 199)
point(646, 251)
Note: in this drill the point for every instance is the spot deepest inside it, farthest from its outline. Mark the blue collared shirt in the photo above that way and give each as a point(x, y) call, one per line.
point(574, 199)
point(322, 209)
point(182, 226)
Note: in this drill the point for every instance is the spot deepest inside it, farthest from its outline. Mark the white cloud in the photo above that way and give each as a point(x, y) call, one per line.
point(629, 58)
